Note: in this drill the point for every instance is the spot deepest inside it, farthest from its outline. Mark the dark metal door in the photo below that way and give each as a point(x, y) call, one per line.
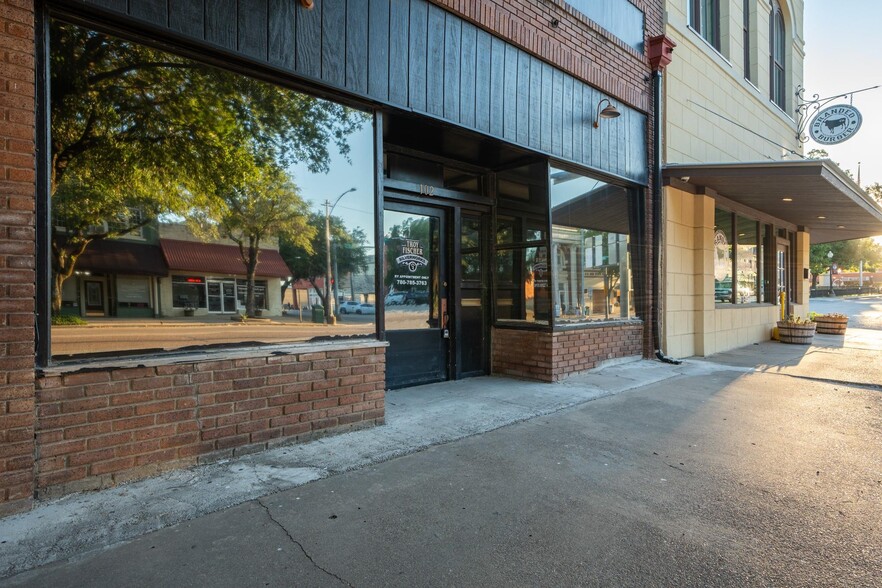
point(415, 287)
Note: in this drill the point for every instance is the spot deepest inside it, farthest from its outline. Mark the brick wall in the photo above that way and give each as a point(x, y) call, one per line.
point(16, 255)
point(552, 356)
point(99, 427)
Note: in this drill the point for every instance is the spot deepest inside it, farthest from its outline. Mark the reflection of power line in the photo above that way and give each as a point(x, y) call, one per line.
point(356, 210)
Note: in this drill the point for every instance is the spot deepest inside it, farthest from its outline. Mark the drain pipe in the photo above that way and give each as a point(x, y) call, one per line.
point(660, 50)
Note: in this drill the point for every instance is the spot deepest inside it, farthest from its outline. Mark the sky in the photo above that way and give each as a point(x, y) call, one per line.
point(841, 56)
point(356, 208)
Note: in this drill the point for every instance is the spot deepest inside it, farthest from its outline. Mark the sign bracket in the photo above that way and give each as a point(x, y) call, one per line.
point(806, 108)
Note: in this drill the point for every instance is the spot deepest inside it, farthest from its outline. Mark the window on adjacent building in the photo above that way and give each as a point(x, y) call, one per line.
point(589, 249)
point(740, 272)
point(777, 69)
point(619, 17)
point(704, 17)
point(167, 174)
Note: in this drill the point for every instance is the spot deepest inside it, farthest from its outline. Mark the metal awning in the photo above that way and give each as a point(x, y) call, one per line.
point(219, 259)
point(829, 204)
point(113, 256)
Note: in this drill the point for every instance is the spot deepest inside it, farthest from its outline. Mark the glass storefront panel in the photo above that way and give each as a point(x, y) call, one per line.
point(166, 149)
point(748, 260)
point(521, 270)
point(723, 256)
point(590, 237)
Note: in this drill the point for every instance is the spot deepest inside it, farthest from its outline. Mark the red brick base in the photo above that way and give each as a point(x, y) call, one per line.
point(100, 427)
point(551, 356)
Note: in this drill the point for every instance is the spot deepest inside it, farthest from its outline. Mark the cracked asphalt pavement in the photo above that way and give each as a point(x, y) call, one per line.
point(759, 467)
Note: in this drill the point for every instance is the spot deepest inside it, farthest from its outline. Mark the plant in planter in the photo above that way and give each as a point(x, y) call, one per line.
point(796, 330)
point(832, 323)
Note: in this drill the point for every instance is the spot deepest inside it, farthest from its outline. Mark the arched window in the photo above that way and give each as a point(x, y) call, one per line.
point(776, 56)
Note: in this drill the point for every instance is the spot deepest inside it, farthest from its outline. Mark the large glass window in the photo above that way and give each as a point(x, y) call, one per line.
point(739, 258)
point(522, 272)
point(183, 190)
point(620, 17)
point(776, 56)
point(723, 256)
point(589, 243)
point(704, 17)
point(748, 260)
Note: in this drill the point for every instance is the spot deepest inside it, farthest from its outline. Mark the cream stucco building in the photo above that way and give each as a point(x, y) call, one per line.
point(741, 204)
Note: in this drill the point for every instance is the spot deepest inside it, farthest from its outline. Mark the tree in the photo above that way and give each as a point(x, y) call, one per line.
point(875, 192)
point(265, 204)
point(138, 129)
point(823, 154)
point(309, 262)
point(846, 254)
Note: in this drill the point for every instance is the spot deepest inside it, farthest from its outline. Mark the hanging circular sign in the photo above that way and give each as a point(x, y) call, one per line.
point(835, 124)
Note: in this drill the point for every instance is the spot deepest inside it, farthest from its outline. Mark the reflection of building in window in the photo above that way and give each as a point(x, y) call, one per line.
point(590, 235)
point(166, 276)
point(739, 250)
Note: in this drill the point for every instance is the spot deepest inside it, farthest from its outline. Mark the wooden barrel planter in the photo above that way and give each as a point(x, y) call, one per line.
point(796, 334)
point(831, 325)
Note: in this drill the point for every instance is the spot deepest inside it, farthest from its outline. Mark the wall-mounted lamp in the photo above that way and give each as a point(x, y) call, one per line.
point(609, 111)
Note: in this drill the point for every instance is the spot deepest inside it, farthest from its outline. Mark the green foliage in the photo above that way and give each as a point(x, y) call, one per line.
point(67, 319)
point(266, 203)
point(846, 254)
point(135, 128)
point(308, 260)
point(875, 192)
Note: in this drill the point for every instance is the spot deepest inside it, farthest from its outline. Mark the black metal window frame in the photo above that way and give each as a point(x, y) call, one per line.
point(765, 263)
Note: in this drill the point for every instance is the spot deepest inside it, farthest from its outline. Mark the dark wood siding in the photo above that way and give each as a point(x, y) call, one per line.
point(413, 55)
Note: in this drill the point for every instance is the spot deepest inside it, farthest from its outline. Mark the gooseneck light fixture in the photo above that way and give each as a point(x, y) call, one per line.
point(609, 111)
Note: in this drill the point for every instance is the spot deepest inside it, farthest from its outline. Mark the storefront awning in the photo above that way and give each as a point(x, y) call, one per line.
point(112, 256)
point(829, 204)
point(211, 258)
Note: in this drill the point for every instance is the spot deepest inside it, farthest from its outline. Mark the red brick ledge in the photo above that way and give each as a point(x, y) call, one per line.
point(103, 423)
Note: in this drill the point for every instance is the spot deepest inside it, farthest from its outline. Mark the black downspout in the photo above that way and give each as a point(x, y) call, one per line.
point(657, 216)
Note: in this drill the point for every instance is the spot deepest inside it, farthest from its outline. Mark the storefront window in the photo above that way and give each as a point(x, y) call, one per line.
point(590, 236)
point(748, 260)
point(183, 190)
point(522, 272)
point(739, 251)
point(723, 257)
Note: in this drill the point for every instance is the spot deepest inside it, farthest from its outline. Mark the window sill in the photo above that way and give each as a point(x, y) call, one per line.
point(599, 324)
point(173, 357)
point(708, 44)
point(728, 305)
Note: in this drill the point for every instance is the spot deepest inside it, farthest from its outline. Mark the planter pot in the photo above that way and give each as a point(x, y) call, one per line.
point(796, 334)
point(831, 325)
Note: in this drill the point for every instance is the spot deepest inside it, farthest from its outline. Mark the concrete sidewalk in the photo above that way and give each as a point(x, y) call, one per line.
point(417, 418)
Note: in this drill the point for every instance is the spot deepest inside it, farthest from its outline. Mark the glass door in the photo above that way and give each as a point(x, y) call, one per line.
point(415, 295)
